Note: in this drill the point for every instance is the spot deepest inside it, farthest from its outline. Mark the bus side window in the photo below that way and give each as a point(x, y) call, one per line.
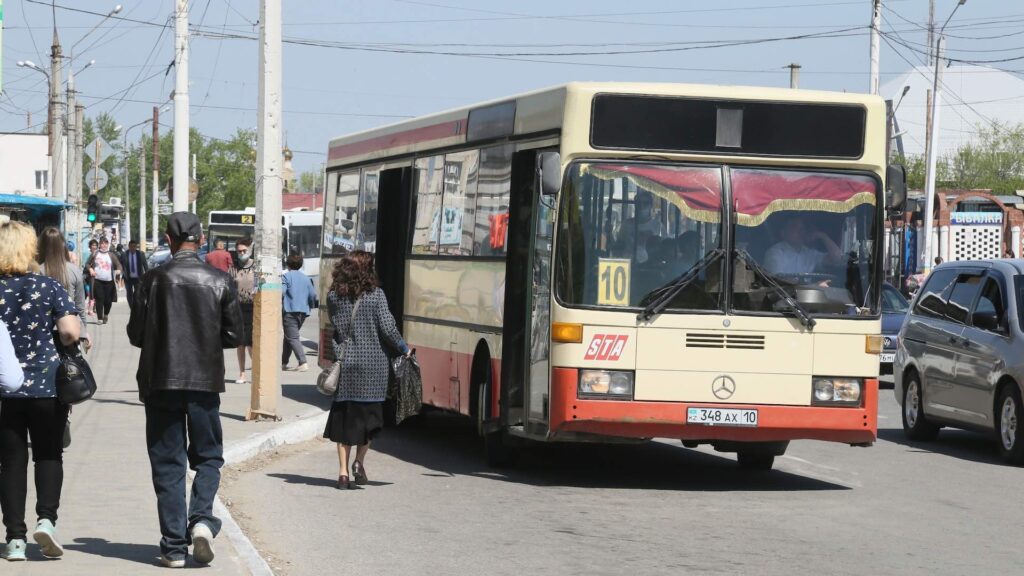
point(345, 219)
point(427, 204)
point(494, 186)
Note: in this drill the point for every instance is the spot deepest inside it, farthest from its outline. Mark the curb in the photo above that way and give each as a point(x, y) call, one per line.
point(308, 426)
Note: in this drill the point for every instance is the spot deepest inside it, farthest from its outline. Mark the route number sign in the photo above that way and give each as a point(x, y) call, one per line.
point(613, 281)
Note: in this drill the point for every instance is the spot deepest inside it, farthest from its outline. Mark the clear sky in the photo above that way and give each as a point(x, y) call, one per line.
point(366, 67)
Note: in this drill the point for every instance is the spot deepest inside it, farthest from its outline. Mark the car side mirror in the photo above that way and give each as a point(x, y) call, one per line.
point(986, 321)
point(896, 184)
point(549, 169)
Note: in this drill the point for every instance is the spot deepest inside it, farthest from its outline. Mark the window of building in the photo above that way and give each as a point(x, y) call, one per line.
point(42, 179)
point(494, 186)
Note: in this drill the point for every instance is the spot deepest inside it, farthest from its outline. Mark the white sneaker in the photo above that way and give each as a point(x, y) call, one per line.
point(172, 562)
point(202, 543)
point(46, 536)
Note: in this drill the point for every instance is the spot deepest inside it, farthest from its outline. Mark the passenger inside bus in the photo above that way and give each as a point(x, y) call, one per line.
point(793, 253)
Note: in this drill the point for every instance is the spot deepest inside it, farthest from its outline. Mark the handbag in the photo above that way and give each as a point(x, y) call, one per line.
point(327, 381)
point(75, 382)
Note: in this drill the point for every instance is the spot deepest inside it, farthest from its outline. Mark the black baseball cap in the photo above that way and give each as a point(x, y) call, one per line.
point(184, 227)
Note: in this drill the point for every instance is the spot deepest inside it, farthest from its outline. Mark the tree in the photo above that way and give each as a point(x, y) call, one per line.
point(309, 182)
point(994, 161)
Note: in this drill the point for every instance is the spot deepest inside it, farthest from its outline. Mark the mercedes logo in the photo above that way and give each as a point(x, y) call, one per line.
point(887, 341)
point(723, 387)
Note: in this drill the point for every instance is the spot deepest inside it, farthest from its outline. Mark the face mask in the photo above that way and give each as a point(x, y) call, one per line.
point(104, 250)
point(243, 257)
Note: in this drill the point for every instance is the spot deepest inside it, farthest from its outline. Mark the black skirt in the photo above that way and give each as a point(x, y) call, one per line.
point(247, 308)
point(354, 423)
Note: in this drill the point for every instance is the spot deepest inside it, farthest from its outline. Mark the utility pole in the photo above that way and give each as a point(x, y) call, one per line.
point(794, 75)
point(74, 192)
point(76, 184)
point(196, 179)
point(156, 172)
point(267, 316)
point(876, 23)
point(181, 131)
point(932, 160)
point(931, 32)
point(127, 195)
point(56, 124)
point(142, 196)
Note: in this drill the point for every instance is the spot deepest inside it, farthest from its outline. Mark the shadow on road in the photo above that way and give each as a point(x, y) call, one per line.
point(448, 446)
point(306, 393)
point(142, 553)
point(970, 446)
point(316, 481)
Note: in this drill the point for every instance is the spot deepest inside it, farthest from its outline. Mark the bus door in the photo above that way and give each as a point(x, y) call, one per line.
point(526, 343)
point(393, 208)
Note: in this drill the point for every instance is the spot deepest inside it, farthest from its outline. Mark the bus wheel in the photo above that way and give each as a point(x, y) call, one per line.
point(755, 460)
point(497, 451)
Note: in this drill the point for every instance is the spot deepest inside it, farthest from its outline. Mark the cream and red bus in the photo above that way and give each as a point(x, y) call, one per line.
point(618, 262)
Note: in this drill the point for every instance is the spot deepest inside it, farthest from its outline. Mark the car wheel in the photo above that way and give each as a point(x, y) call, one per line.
point(915, 424)
point(1008, 418)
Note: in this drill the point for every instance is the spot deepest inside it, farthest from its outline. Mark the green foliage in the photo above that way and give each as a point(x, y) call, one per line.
point(309, 182)
point(994, 161)
point(225, 168)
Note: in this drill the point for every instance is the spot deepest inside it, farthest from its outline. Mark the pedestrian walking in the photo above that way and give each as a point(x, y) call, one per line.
point(133, 263)
point(90, 295)
point(105, 270)
point(55, 262)
point(244, 275)
point(363, 328)
point(32, 306)
point(219, 258)
point(185, 315)
point(299, 298)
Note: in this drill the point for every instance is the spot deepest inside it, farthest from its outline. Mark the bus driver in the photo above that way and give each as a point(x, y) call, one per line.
point(792, 255)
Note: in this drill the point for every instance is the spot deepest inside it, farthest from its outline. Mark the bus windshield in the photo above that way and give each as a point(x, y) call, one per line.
point(629, 229)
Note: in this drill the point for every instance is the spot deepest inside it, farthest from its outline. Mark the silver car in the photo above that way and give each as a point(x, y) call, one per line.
point(960, 355)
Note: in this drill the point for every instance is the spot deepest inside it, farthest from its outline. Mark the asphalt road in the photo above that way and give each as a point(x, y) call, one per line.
point(948, 507)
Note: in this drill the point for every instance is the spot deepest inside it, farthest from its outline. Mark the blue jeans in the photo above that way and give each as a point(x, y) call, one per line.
point(183, 425)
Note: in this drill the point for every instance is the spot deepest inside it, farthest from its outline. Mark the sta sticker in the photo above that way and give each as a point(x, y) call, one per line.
point(606, 347)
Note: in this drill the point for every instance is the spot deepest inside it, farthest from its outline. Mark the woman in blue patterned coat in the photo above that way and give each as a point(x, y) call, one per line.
point(363, 330)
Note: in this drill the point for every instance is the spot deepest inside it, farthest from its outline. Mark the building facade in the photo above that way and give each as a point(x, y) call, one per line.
point(24, 164)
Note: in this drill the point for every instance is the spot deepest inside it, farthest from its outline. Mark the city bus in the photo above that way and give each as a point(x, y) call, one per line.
point(613, 262)
point(300, 232)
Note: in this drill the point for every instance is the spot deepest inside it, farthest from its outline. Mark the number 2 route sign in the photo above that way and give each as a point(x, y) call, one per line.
point(613, 281)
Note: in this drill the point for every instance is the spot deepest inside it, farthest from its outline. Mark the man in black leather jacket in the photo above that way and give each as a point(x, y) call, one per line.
point(184, 315)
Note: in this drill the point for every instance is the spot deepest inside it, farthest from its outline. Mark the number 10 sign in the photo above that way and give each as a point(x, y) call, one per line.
point(613, 281)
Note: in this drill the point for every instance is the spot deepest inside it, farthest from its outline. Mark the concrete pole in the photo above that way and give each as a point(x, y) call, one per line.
point(181, 128)
point(876, 23)
point(196, 180)
point(930, 168)
point(73, 192)
point(1015, 241)
point(127, 236)
point(76, 183)
point(56, 123)
point(142, 198)
point(931, 32)
point(794, 75)
point(267, 315)
point(156, 172)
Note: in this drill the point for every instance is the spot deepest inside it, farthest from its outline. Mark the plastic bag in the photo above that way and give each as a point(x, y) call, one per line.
point(406, 386)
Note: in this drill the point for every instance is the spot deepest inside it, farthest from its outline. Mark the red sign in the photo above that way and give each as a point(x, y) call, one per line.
point(606, 347)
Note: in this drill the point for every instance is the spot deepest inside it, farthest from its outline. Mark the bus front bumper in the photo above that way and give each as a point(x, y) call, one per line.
point(642, 419)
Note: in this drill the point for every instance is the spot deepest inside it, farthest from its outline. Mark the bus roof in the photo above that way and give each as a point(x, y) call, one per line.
point(538, 112)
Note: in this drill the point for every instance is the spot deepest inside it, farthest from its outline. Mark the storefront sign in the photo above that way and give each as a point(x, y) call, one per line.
point(976, 218)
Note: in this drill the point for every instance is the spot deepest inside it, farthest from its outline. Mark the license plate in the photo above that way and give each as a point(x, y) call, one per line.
point(721, 416)
point(887, 358)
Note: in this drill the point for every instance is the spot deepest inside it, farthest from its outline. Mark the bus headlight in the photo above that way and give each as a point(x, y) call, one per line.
point(612, 384)
point(831, 391)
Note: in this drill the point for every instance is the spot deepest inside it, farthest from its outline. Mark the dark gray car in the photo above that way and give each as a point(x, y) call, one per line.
point(960, 355)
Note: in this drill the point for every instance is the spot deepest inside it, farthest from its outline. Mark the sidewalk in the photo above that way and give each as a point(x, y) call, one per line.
point(108, 522)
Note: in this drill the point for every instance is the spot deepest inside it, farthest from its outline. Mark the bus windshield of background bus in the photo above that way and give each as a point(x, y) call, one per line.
point(628, 229)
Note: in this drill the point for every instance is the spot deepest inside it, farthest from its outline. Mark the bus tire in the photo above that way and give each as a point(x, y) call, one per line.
point(755, 460)
point(498, 453)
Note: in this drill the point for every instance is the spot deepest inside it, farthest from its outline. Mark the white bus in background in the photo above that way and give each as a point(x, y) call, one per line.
point(300, 232)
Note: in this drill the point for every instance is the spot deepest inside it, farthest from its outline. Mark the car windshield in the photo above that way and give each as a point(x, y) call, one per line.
point(892, 301)
point(813, 233)
point(629, 229)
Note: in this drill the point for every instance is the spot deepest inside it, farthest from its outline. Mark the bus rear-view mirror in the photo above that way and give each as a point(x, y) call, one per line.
point(550, 167)
point(896, 182)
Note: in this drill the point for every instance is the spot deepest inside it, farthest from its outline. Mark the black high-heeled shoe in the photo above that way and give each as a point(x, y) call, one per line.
point(345, 484)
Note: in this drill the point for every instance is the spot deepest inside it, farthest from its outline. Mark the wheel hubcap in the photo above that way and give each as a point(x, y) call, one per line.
point(1008, 423)
point(912, 404)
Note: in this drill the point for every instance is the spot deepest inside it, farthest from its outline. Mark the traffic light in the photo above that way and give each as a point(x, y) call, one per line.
point(93, 209)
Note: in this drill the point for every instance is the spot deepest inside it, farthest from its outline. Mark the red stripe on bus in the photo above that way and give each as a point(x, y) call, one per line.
point(404, 138)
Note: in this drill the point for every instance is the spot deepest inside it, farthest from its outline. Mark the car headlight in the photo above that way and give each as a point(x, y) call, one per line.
point(836, 391)
point(613, 384)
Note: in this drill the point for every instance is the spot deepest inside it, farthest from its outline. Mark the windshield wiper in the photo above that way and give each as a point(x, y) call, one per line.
point(658, 299)
point(798, 309)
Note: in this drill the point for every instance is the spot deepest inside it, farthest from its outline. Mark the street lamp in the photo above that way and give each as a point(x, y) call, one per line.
point(32, 66)
point(127, 194)
point(933, 153)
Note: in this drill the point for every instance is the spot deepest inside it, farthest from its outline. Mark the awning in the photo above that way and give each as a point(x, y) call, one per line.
point(34, 205)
